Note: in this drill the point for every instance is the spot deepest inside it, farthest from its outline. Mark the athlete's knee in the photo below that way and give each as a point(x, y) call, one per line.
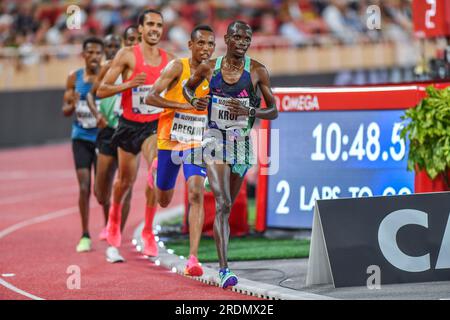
point(124, 183)
point(85, 189)
point(195, 195)
point(164, 199)
point(223, 206)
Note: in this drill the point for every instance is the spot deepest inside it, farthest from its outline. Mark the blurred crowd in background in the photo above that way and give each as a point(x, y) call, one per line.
point(292, 22)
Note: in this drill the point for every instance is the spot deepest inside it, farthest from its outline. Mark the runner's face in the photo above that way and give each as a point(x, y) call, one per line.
point(92, 55)
point(238, 41)
point(203, 45)
point(112, 46)
point(152, 28)
point(131, 37)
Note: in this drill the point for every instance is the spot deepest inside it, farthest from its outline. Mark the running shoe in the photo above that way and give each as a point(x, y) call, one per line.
point(227, 278)
point(84, 245)
point(151, 179)
point(193, 268)
point(113, 255)
point(103, 234)
point(114, 237)
point(150, 245)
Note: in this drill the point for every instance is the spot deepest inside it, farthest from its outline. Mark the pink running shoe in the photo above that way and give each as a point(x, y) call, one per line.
point(103, 234)
point(152, 174)
point(150, 245)
point(193, 268)
point(114, 237)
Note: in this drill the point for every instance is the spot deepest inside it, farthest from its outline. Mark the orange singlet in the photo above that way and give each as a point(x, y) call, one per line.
point(182, 129)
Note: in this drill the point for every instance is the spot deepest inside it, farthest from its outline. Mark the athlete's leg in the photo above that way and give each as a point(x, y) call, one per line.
point(84, 184)
point(219, 179)
point(126, 175)
point(106, 167)
point(126, 209)
point(149, 153)
point(196, 212)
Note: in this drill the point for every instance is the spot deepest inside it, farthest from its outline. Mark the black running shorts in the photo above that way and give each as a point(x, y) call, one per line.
point(104, 142)
point(84, 154)
point(130, 135)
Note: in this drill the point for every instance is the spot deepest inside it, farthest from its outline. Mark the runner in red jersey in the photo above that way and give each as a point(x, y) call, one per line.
point(139, 66)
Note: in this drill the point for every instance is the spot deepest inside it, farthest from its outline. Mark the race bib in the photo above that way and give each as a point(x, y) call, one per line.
point(84, 115)
point(138, 101)
point(187, 127)
point(223, 118)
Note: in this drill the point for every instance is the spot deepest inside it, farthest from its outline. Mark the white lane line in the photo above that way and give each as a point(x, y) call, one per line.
point(8, 275)
point(19, 291)
point(26, 223)
point(45, 217)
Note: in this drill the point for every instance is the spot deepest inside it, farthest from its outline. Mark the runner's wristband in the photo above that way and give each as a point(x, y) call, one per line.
point(193, 101)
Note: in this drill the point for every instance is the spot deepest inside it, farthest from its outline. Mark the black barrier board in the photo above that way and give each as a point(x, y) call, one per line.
point(401, 238)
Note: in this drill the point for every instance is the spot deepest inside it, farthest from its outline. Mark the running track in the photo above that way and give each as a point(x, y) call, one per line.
point(40, 227)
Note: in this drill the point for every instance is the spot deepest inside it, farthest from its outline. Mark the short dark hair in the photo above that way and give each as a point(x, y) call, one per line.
point(133, 26)
point(201, 27)
point(143, 13)
point(93, 40)
point(241, 23)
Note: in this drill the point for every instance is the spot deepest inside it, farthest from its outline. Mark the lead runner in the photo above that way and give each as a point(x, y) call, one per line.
point(232, 110)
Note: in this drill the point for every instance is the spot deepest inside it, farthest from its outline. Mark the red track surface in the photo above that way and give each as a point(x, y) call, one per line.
point(40, 182)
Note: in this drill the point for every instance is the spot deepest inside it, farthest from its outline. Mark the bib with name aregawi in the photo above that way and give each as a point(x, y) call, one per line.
point(138, 101)
point(85, 118)
point(188, 127)
point(223, 118)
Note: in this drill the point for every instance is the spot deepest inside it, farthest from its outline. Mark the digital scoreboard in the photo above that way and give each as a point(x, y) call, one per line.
point(333, 143)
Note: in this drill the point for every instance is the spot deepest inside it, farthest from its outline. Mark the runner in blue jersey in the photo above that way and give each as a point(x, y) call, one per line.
point(84, 128)
point(233, 106)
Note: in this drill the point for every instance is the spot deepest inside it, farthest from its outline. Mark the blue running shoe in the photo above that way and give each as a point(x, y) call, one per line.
point(227, 278)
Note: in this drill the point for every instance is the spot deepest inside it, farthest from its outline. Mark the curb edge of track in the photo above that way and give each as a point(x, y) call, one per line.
point(245, 286)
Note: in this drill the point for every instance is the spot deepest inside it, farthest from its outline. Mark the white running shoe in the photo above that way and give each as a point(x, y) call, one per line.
point(113, 255)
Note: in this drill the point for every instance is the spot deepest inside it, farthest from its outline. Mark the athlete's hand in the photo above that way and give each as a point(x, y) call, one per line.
point(236, 108)
point(101, 121)
point(186, 106)
point(138, 80)
point(73, 99)
point(201, 104)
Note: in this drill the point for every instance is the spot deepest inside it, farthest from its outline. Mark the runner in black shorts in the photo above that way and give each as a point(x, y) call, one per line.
point(84, 128)
point(139, 66)
point(107, 120)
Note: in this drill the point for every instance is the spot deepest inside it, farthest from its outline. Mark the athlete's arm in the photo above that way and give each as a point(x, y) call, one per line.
point(120, 63)
point(101, 121)
point(270, 112)
point(166, 81)
point(70, 96)
point(202, 72)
